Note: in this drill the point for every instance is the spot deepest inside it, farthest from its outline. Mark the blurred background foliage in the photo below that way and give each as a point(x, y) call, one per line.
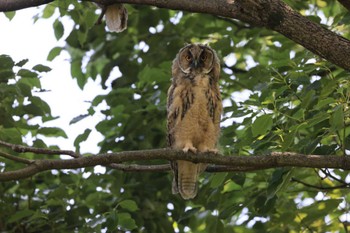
point(277, 97)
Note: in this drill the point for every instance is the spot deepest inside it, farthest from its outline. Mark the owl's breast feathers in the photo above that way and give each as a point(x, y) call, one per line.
point(194, 107)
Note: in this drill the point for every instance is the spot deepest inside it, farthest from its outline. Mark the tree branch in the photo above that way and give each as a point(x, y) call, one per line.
point(273, 14)
point(15, 158)
point(13, 5)
point(226, 163)
point(319, 187)
point(345, 3)
point(22, 149)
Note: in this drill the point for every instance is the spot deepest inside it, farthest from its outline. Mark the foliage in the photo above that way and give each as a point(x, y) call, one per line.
point(278, 97)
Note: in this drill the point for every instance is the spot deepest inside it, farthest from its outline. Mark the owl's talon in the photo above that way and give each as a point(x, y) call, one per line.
point(189, 148)
point(215, 151)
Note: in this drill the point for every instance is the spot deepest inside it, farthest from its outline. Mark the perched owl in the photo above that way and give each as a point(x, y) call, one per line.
point(194, 108)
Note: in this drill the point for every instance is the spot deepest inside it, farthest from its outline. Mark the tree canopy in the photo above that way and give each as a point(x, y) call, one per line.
point(286, 90)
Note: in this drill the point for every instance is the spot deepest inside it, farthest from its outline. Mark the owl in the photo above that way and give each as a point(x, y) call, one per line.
point(116, 17)
point(194, 109)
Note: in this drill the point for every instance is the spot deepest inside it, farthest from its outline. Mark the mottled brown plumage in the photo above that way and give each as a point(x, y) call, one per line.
point(194, 109)
point(116, 17)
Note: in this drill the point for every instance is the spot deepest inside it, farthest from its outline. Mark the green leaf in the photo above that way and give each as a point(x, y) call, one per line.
point(10, 14)
point(279, 182)
point(58, 29)
point(81, 138)
point(262, 125)
point(151, 74)
point(77, 73)
point(239, 178)
point(26, 73)
point(54, 53)
point(337, 118)
point(90, 19)
point(129, 205)
point(82, 35)
point(11, 135)
point(78, 118)
point(126, 221)
point(25, 90)
point(41, 68)
point(48, 11)
point(6, 62)
point(22, 62)
point(318, 209)
point(6, 65)
point(52, 132)
point(229, 211)
point(19, 215)
point(189, 213)
point(42, 105)
point(218, 179)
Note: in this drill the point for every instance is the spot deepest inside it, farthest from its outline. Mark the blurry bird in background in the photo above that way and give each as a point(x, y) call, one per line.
point(116, 17)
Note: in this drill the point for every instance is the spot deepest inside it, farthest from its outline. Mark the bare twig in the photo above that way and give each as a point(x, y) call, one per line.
point(329, 174)
point(319, 187)
point(22, 149)
point(100, 17)
point(15, 158)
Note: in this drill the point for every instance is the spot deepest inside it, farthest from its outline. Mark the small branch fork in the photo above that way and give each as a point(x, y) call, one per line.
point(218, 163)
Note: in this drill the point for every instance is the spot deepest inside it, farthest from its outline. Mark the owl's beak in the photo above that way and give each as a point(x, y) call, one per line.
point(195, 63)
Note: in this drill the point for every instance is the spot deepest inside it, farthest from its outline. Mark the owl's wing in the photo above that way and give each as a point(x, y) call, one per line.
point(171, 118)
point(218, 107)
point(214, 104)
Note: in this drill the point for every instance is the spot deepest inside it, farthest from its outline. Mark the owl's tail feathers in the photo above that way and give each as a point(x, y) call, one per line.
point(187, 177)
point(116, 17)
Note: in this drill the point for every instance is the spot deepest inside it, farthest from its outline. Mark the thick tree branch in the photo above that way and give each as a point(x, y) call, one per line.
point(13, 5)
point(273, 160)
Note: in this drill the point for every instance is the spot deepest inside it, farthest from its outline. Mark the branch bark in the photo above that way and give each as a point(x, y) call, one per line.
point(13, 5)
point(223, 163)
point(22, 149)
point(273, 14)
point(345, 3)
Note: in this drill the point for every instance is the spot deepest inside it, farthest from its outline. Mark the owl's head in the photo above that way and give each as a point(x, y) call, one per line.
point(197, 58)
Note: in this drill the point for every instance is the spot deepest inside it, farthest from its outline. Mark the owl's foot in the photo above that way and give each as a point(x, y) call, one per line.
point(215, 151)
point(206, 149)
point(189, 147)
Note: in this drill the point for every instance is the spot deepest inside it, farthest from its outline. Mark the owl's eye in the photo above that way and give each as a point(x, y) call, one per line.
point(188, 57)
point(203, 57)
